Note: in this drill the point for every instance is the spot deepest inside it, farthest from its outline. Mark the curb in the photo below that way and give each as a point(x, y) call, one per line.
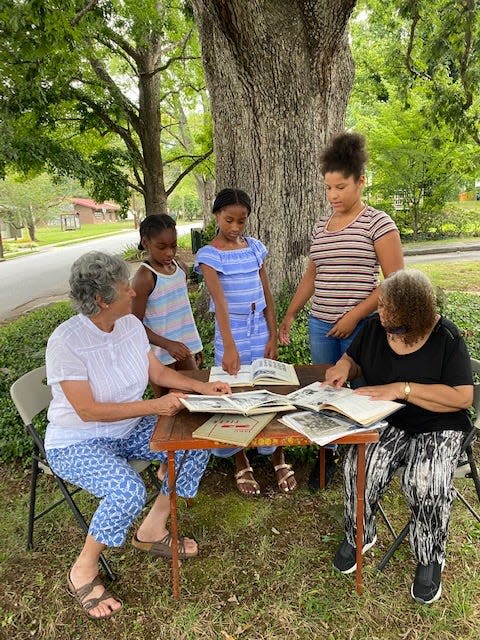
point(446, 248)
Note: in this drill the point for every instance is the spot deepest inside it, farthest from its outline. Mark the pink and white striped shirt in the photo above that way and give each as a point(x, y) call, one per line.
point(346, 263)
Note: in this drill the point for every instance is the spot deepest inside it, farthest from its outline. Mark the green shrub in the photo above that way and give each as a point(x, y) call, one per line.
point(132, 253)
point(22, 348)
point(23, 342)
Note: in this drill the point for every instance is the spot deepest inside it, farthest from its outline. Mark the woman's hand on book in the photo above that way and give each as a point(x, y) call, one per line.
point(392, 391)
point(169, 404)
point(216, 388)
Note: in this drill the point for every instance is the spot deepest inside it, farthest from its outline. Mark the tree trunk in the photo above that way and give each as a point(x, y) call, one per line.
point(206, 193)
point(30, 224)
point(149, 132)
point(279, 75)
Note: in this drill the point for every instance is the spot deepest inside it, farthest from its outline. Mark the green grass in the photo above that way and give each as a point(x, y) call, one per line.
point(452, 276)
point(264, 572)
point(54, 235)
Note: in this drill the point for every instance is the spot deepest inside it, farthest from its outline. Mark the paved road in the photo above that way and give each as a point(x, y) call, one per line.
point(40, 277)
point(25, 281)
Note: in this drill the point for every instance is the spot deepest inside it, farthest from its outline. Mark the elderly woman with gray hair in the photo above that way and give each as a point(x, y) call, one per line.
point(98, 365)
point(409, 353)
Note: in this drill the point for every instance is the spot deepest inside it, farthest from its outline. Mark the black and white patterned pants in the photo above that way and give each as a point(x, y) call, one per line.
point(430, 460)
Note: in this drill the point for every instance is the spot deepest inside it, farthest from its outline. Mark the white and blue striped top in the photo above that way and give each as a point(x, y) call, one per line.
point(239, 274)
point(168, 313)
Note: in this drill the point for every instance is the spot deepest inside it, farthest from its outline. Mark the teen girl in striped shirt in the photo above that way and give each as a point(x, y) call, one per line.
point(350, 243)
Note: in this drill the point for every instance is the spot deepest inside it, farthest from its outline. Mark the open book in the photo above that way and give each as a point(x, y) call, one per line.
point(262, 371)
point(233, 429)
point(246, 403)
point(361, 409)
point(324, 426)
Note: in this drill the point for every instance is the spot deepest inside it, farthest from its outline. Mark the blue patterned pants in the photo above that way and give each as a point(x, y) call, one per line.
point(100, 466)
point(430, 460)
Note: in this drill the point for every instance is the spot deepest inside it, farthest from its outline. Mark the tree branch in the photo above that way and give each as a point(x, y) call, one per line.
point(110, 123)
point(469, 9)
point(411, 38)
point(78, 16)
point(115, 92)
point(187, 171)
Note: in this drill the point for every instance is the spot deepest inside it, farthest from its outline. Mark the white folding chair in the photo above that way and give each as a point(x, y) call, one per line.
point(31, 395)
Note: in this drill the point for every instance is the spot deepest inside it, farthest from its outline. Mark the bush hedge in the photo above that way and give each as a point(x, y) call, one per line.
point(23, 342)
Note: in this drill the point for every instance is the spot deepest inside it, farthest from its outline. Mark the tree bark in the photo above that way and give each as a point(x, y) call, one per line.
point(154, 192)
point(279, 74)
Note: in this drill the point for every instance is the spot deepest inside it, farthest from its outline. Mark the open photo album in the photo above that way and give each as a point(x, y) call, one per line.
point(325, 427)
point(361, 409)
point(246, 403)
point(262, 371)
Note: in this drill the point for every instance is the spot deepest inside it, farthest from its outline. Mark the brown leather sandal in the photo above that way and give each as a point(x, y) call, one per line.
point(240, 480)
point(163, 548)
point(82, 592)
point(283, 479)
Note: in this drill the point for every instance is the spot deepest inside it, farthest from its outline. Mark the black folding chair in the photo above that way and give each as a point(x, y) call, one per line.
point(467, 468)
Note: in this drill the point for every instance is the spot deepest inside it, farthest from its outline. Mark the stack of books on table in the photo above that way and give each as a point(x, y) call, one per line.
point(317, 398)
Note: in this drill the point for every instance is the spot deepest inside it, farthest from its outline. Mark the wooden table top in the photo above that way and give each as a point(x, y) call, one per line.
point(175, 432)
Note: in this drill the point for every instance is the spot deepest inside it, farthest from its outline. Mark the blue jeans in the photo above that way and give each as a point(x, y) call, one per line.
point(325, 349)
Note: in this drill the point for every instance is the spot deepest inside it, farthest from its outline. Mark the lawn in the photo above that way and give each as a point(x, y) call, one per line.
point(264, 570)
point(452, 276)
point(54, 235)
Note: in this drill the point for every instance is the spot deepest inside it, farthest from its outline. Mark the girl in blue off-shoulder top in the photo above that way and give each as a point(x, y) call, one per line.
point(233, 266)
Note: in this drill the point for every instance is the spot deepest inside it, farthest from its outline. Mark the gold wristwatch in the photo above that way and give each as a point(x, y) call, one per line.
point(406, 391)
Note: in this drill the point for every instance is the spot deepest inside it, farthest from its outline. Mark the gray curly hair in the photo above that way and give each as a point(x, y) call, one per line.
point(93, 275)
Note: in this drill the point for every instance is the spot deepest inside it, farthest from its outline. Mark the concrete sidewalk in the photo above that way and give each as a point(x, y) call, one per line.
point(445, 247)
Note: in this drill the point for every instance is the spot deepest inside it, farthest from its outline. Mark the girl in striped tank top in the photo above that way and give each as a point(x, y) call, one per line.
point(161, 301)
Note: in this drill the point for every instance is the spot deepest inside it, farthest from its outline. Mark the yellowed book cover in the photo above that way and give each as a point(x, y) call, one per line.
point(233, 429)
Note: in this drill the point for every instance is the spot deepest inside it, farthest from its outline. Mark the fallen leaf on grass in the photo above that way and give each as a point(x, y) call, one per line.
point(233, 599)
point(275, 531)
point(241, 630)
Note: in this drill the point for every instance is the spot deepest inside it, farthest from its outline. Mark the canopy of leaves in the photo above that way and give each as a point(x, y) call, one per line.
point(93, 92)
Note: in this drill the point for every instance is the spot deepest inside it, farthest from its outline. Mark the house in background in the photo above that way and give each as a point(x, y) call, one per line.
point(91, 212)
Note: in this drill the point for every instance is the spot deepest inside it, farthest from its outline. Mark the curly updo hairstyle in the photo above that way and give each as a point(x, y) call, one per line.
point(96, 275)
point(409, 301)
point(346, 153)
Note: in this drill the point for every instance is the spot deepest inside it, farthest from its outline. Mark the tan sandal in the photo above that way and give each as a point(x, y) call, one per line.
point(281, 481)
point(80, 595)
point(240, 480)
point(163, 548)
